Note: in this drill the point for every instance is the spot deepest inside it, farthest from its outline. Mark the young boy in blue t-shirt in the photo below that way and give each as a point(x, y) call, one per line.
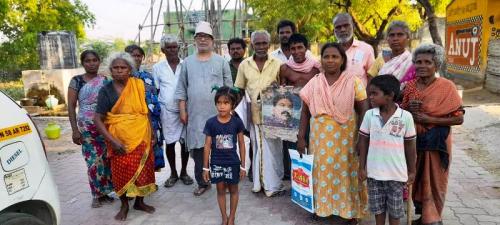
point(387, 147)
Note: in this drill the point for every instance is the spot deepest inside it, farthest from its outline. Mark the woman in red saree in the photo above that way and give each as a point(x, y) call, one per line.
point(436, 106)
point(122, 118)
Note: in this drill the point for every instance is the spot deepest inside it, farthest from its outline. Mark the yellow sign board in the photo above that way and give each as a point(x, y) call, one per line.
point(14, 131)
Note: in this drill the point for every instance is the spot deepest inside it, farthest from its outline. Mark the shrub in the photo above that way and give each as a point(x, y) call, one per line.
point(14, 89)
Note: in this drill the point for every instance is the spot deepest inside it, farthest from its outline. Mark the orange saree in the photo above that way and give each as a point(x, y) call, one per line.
point(439, 99)
point(132, 173)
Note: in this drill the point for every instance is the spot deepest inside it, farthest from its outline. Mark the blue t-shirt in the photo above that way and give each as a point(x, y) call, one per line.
point(224, 140)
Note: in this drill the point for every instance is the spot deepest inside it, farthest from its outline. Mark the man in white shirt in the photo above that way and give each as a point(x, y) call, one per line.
point(166, 74)
point(285, 29)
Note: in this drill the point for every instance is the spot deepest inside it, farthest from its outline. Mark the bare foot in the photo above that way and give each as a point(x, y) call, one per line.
point(231, 221)
point(224, 221)
point(122, 214)
point(143, 207)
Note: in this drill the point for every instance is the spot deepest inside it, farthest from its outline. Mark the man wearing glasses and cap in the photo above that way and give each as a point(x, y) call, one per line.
point(199, 72)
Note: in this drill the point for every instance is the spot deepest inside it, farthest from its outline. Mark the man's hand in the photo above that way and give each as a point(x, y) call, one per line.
point(184, 117)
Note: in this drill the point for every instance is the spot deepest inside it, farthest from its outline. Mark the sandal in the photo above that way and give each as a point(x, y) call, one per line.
point(170, 182)
point(186, 179)
point(200, 190)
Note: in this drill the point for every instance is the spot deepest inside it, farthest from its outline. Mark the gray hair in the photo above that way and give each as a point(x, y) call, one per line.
point(123, 56)
point(259, 32)
point(436, 51)
point(168, 38)
point(345, 16)
point(399, 24)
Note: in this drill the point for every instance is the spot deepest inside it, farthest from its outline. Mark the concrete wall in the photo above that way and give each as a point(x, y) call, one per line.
point(60, 78)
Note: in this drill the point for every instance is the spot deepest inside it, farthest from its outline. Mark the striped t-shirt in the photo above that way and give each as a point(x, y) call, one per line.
point(386, 153)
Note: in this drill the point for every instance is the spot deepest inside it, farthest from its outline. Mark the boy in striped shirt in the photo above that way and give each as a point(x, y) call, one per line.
point(387, 147)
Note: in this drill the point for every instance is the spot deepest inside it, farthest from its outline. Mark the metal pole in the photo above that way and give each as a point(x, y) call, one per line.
point(219, 25)
point(240, 10)
point(150, 44)
point(139, 35)
point(168, 18)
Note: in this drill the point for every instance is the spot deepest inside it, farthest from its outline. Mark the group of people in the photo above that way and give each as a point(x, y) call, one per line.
point(385, 120)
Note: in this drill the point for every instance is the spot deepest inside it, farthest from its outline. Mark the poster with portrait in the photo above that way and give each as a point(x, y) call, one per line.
point(281, 108)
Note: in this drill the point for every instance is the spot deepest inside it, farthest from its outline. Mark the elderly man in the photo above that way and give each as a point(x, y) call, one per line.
point(166, 75)
point(360, 55)
point(199, 72)
point(255, 74)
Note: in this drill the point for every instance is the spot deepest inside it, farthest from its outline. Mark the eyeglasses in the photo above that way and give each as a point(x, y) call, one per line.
point(202, 36)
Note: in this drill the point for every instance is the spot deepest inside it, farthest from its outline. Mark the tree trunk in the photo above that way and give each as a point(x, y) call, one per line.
point(431, 20)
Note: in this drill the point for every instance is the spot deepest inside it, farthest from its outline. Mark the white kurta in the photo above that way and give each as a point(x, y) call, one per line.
point(166, 80)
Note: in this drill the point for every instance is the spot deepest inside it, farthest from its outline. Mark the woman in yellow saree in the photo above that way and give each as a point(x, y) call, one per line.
point(122, 118)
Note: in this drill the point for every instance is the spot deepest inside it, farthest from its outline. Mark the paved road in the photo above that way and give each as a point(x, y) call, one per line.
point(473, 197)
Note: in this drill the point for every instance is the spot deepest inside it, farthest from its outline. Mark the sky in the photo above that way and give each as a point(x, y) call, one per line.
point(121, 18)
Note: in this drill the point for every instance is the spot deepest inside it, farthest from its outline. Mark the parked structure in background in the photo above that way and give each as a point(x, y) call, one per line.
point(472, 26)
point(181, 19)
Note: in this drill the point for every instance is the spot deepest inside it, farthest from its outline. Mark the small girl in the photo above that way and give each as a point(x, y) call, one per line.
point(226, 169)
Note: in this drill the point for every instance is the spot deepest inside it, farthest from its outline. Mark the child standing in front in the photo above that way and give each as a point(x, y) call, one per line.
point(387, 147)
point(226, 169)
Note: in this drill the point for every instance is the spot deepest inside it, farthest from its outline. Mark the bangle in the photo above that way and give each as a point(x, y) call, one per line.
point(243, 168)
point(206, 169)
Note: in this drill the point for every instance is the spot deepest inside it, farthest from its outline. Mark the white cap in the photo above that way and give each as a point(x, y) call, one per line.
point(203, 27)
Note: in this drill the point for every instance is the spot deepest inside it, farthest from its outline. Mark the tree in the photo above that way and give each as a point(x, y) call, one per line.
point(22, 20)
point(429, 12)
point(314, 19)
point(104, 48)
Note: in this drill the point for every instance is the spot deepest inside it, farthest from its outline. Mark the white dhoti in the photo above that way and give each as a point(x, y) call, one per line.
point(171, 125)
point(267, 162)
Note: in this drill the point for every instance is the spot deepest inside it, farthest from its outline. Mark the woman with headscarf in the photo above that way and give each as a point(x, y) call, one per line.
point(436, 106)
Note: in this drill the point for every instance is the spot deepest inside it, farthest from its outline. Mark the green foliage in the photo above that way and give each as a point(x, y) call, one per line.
point(22, 20)
point(440, 6)
point(315, 18)
point(105, 48)
point(102, 48)
point(14, 89)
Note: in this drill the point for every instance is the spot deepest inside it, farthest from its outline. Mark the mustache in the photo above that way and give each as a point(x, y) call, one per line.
point(286, 114)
